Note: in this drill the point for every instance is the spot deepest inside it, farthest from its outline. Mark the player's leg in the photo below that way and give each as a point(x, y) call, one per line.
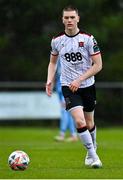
point(85, 137)
point(63, 125)
point(89, 117)
point(75, 105)
point(72, 128)
point(89, 100)
point(63, 113)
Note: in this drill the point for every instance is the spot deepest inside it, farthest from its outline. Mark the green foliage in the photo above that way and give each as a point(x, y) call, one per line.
point(113, 67)
point(27, 27)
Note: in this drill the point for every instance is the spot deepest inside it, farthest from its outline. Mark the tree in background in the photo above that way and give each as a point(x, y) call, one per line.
point(27, 27)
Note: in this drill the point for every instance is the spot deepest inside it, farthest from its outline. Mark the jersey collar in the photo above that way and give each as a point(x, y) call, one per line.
point(72, 35)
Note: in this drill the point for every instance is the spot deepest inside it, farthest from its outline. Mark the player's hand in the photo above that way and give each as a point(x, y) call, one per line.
point(49, 88)
point(74, 85)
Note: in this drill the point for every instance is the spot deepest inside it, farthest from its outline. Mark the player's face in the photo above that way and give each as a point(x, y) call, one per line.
point(70, 20)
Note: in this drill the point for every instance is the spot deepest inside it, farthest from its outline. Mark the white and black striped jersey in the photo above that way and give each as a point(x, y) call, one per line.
point(74, 53)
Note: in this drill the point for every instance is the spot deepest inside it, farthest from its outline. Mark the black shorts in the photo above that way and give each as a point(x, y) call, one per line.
point(85, 97)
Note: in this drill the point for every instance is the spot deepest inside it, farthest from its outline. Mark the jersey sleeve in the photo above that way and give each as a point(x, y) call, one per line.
point(53, 48)
point(93, 46)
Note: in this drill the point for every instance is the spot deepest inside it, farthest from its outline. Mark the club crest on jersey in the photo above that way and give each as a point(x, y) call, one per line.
point(81, 44)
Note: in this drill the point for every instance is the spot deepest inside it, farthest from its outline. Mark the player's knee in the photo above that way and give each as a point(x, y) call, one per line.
point(80, 122)
point(90, 125)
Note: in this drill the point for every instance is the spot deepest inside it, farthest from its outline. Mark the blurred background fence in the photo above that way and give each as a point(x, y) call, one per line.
point(28, 101)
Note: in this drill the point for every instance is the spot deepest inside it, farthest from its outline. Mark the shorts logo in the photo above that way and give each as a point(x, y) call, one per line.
point(67, 101)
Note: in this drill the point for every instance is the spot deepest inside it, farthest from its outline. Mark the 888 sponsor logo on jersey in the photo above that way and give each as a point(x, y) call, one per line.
point(73, 57)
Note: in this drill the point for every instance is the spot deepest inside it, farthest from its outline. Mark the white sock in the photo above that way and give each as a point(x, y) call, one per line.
point(86, 139)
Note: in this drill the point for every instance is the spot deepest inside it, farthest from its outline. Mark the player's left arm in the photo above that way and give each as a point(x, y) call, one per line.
point(95, 68)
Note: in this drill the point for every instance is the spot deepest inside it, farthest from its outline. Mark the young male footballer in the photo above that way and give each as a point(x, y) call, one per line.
point(80, 60)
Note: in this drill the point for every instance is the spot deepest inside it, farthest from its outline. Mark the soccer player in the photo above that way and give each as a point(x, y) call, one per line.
point(66, 120)
point(80, 60)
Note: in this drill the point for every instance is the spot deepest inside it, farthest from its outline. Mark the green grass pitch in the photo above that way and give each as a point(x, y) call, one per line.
point(53, 160)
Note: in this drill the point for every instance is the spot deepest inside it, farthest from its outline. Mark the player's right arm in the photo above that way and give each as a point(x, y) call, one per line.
point(51, 74)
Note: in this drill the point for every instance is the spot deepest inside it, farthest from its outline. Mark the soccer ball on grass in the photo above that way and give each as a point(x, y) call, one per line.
point(18, 160)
